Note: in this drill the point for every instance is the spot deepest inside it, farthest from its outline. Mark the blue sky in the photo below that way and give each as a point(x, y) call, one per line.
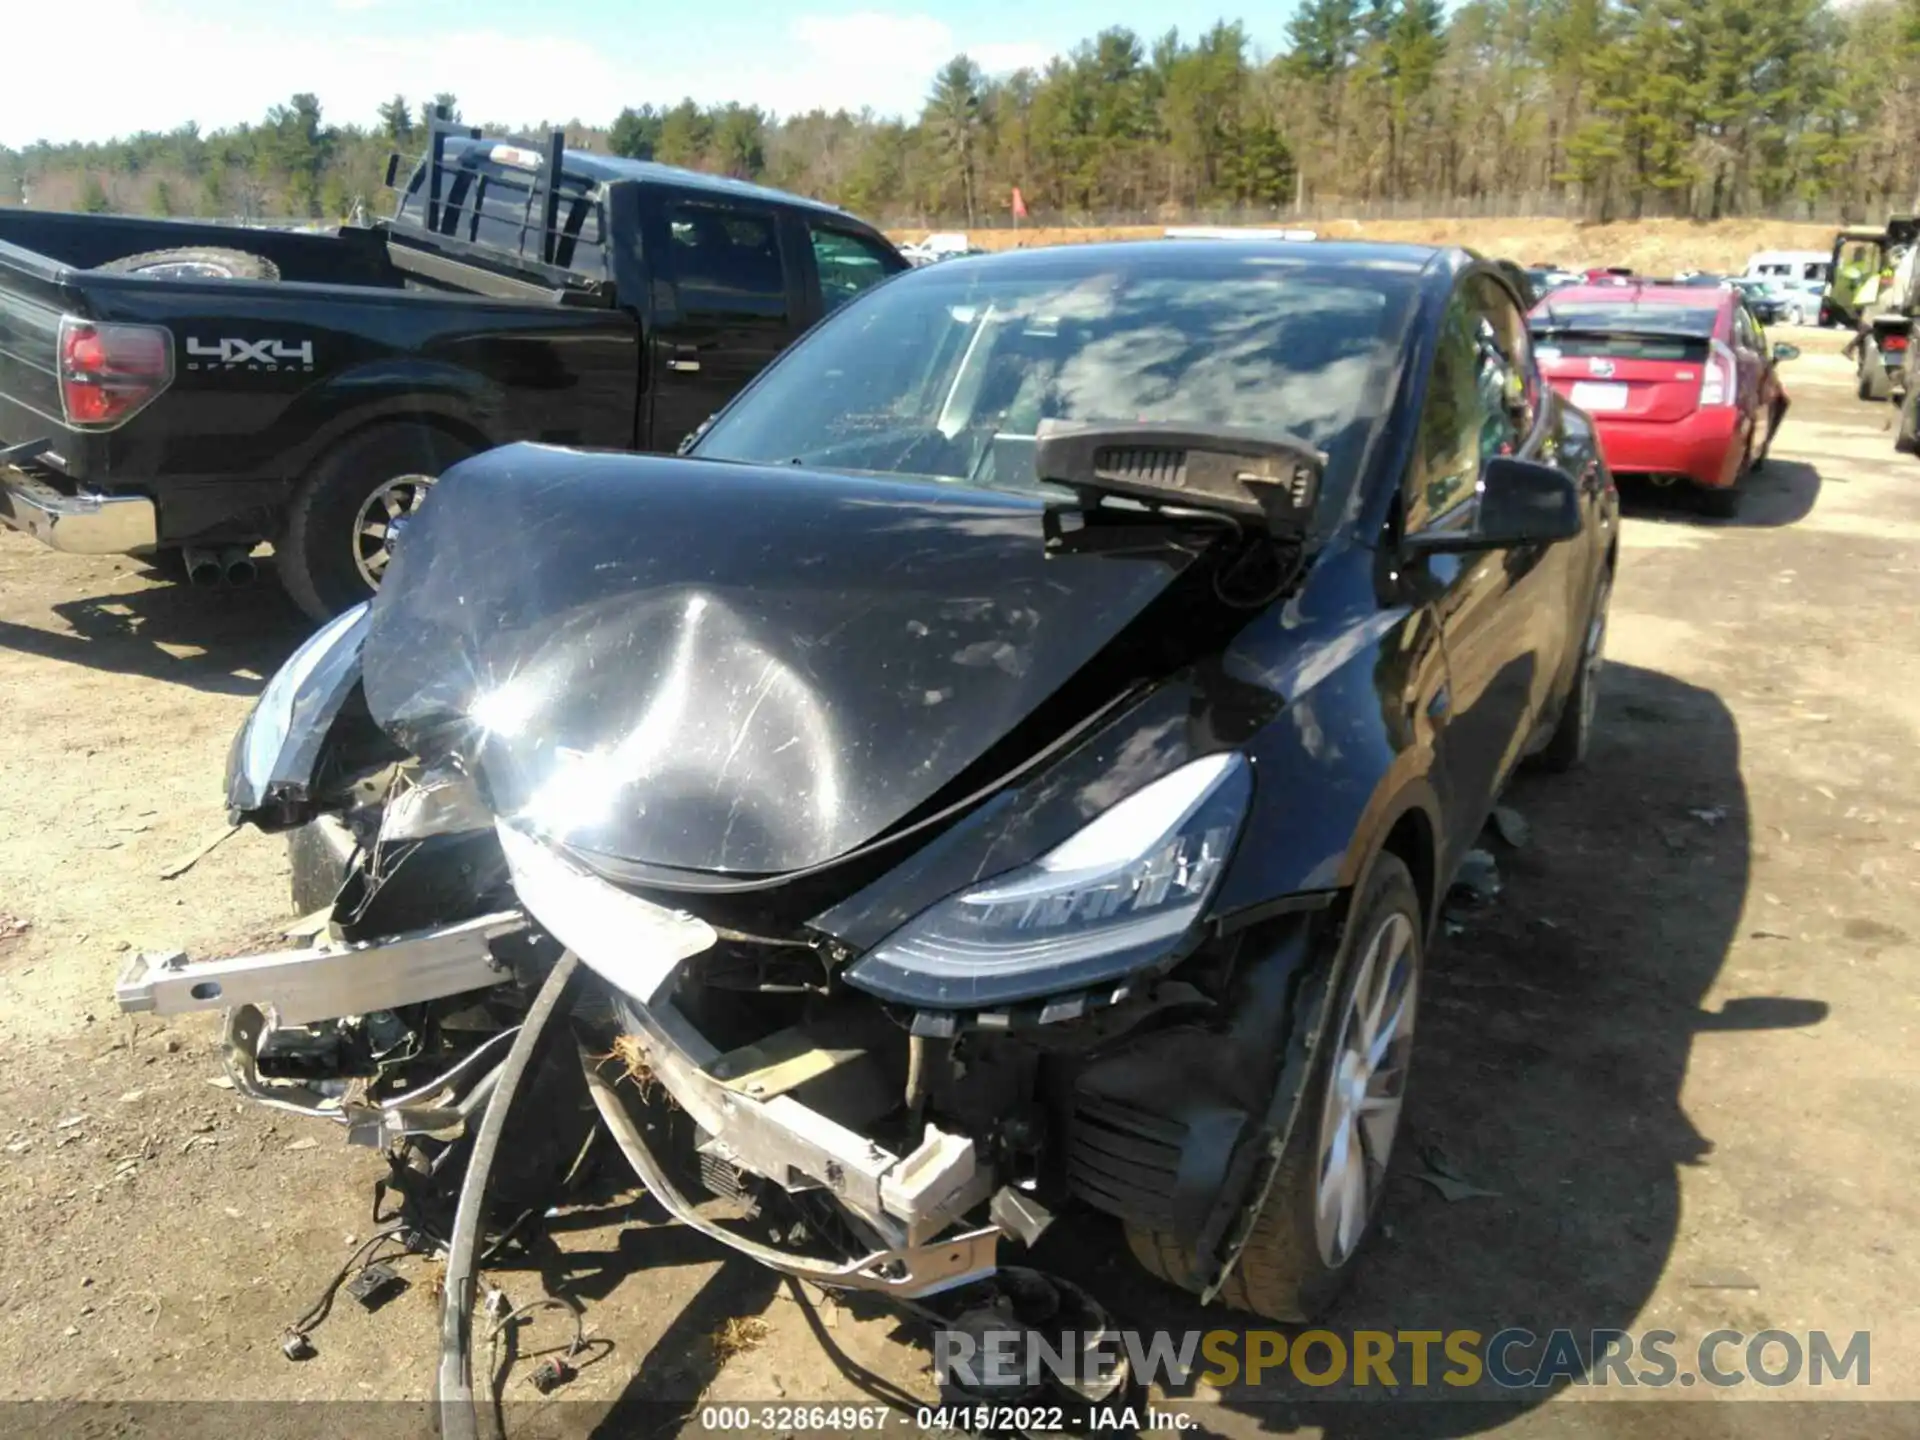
point(152, 64)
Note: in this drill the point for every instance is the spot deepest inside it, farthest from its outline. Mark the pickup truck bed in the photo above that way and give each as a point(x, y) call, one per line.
point(339, 341)
point(515, 294)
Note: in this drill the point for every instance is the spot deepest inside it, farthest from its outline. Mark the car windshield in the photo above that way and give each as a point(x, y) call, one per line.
point(1697, 321)
point(946, 373)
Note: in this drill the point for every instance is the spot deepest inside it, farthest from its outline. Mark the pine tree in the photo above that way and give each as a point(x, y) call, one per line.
point(953, 116)
point(396, 120)
point(635, 133)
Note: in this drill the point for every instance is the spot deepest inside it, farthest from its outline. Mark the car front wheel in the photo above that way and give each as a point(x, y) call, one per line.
point(1326, 1188)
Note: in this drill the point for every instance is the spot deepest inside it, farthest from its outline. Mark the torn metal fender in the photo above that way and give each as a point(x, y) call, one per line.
point(1253, 1173)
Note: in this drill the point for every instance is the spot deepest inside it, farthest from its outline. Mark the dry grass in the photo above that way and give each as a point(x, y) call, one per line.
point(631, 1054)
point(737, 1336)
point(1651, 246)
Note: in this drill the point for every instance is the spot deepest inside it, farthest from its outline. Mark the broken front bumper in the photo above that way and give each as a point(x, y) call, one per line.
point(906, 1271)
point(751, 1123)
point(740, 1100)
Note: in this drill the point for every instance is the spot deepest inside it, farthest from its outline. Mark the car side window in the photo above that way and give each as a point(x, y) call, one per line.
point(847, 264)
point(1745, 334)
point(726, 261)
point(1511, 380)
point(1482, 398)
point(1446, 461)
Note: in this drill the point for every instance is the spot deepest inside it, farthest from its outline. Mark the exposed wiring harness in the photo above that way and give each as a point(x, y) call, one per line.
point(453, 1384)
point(295, 1341)
point(561, 1363)
point(413, 1222)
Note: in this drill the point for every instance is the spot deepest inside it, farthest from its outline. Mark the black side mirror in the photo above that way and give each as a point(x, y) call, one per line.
point(1786, 352)
point(1518, 502)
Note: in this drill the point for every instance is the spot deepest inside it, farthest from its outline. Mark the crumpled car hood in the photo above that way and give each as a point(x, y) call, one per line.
point(717, 667)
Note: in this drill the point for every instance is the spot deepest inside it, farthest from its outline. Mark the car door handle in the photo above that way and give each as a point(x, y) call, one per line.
point(684, 359)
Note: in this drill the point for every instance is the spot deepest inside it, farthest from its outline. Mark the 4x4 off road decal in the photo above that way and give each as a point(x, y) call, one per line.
point(254, 355)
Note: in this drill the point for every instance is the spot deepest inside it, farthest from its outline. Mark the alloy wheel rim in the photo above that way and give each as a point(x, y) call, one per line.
point(381, 518)
point(1361, 1113)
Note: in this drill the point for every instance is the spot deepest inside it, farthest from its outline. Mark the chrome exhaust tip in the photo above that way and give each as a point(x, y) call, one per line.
point(237, 565)
point(203, 566)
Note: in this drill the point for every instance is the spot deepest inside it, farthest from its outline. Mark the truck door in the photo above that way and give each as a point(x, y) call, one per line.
point(726, 298)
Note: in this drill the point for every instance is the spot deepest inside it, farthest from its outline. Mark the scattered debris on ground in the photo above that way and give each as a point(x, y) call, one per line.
point(1443, 1175)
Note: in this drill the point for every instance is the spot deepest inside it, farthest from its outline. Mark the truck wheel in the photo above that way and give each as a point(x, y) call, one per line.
point(195, 263)
point(345, 517)
point(1321, 1204)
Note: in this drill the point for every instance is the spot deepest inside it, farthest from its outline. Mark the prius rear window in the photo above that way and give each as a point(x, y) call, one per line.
point(1627, 319)
point(1574, 345)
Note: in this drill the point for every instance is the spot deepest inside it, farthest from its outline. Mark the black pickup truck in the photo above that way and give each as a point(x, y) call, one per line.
point(183, 387)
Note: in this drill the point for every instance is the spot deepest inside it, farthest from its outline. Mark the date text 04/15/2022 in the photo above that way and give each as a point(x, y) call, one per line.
point(850, 1419)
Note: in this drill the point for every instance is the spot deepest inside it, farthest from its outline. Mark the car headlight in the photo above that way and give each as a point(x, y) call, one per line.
point(1115, 898)
point(274, 753)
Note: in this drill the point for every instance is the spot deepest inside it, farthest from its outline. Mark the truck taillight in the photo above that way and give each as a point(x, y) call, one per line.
point(108, 372)
point(1719, 379)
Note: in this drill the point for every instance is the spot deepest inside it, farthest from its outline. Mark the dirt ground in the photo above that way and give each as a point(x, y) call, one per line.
point(1678, 1047)
point(1652, 247)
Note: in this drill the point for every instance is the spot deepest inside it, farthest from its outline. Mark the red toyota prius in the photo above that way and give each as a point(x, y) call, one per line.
point(1680, 380)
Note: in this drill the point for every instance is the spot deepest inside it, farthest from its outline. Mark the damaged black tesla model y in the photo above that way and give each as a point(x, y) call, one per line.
point(1010, 761)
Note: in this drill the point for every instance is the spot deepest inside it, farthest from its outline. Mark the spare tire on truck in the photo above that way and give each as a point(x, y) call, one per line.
point(195, 262)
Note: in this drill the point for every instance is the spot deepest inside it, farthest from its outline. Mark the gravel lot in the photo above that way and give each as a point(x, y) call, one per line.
point(1679, 1047)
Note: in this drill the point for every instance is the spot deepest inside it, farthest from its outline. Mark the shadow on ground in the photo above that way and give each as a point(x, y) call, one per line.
point(232, 638)
point(1781, 492)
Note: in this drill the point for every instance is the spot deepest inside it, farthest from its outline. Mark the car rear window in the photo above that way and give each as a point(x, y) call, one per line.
point(1576, 344)
point(1654, 320)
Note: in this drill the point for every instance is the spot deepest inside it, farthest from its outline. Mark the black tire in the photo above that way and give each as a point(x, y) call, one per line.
point(1872, 383)
point(1573, 732)
point(319, 548)
point(1283, 1273)
point(196, 262)
point(1720, 504)
point(1906, 438)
